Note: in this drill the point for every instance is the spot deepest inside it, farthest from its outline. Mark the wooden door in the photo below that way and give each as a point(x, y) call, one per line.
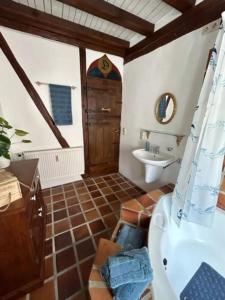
point(104, 99)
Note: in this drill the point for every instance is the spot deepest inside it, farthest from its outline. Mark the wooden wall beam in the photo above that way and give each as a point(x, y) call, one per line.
point(26, 19)
point(114, 14)
point(181, 5)
point(31, 91)
point(194, 18)
point(83, 79)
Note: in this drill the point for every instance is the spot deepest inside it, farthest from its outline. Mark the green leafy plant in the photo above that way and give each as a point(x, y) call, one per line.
point(5, 141)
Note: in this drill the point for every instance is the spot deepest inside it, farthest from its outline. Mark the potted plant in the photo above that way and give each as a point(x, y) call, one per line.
point(5, 141)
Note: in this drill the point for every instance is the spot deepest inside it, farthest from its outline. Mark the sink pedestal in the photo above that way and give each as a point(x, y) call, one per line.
point(152, 173)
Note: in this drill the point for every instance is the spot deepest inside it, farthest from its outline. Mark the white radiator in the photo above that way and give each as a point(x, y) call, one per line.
point(58, 166)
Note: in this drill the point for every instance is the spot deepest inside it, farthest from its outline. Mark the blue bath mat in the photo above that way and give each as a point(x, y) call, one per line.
point(206, 284)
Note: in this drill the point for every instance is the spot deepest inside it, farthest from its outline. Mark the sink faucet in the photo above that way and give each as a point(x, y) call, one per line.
point(147, 146)
point(151, 148)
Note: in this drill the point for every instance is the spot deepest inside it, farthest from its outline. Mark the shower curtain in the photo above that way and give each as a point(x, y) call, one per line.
point(196, 192)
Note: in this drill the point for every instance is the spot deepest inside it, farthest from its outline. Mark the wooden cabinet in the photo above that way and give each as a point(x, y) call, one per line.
point(22, 234)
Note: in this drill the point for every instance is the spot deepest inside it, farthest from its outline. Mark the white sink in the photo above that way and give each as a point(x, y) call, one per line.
point(154, 163)
point(146, 157)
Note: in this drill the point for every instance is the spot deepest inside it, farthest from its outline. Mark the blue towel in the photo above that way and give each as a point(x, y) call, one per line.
point(128, 273)
point(131, 238)
point(206, 284)
point(61, 104)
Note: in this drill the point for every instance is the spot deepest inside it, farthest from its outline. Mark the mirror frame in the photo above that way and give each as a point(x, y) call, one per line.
point(174, 110)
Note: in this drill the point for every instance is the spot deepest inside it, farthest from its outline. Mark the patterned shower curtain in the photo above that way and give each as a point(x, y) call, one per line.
point(197, 188)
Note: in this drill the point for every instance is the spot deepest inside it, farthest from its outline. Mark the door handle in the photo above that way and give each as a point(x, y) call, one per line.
point(116, 130)
point(106, 109)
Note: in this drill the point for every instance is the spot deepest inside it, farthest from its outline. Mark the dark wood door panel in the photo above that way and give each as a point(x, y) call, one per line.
point(104, 101)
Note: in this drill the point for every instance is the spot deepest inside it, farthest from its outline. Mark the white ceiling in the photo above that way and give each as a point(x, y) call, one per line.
point(154, 11)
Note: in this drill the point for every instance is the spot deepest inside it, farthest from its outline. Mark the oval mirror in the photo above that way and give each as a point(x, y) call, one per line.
point(165, 108)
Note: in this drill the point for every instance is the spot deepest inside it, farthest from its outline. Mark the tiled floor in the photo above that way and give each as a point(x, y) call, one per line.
point(78, 215)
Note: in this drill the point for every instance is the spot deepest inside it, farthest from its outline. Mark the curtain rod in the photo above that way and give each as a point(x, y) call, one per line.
point(45, 83)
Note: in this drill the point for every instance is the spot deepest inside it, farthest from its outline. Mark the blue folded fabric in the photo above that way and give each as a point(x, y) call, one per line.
point(131, 238)
point(128, 273)
point(130, 291)
point(206, 284)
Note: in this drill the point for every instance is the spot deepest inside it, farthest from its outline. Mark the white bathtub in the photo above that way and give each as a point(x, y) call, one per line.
point(184, 248)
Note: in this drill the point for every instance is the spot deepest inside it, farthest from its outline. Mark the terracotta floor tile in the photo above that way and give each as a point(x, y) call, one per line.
point(47, 291)
point(81, 232)
point(87, 205)
point(120, 194)
point(84, 295)
point(63, 240)
point(57, 190)
point(102, 185)
point(68, 202)
point(102, 235)
point(70, 194)
point(110, 221)
point(68, 187)
point(125, 185)
point(84, 197)
point(49, 231)
point(115, 188)
point(97, 226)
point(65, 259)
point(107, 178)
point(85, 269)
point(89, 181)
point(79, 184)
point(61, 226)
point(58, 197)
point(72, 201)
point(74, 209)
point(59, 205)
point(46, 192)
point(95, 194)
point(99, 179)
point(61, 214)
point(48, 247)
point(47, 199)
point(116, 205)
point(92, 188)
point(99, 201)
point(85, 249)
point(92, 214)
point(77, 220)
point(105, 209)
point(68, 284)
point(49, 219)
point(82, 190)
point(106, 191)
point(223, 185)
point(111, 197)
point(49, 208)
point(145, 200)
point(111, 182)
point(48, 271)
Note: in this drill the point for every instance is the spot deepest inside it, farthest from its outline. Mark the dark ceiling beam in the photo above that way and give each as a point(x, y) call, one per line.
point(196, 17)
point(26, 19)
point(31, 91)
point(114, 14)
point(181, 5)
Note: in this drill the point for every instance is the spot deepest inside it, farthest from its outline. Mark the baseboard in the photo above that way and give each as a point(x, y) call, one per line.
point(59, 181)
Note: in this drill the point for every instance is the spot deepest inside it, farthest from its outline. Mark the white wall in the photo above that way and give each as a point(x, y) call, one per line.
point(46, 61)
point(177, 68)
